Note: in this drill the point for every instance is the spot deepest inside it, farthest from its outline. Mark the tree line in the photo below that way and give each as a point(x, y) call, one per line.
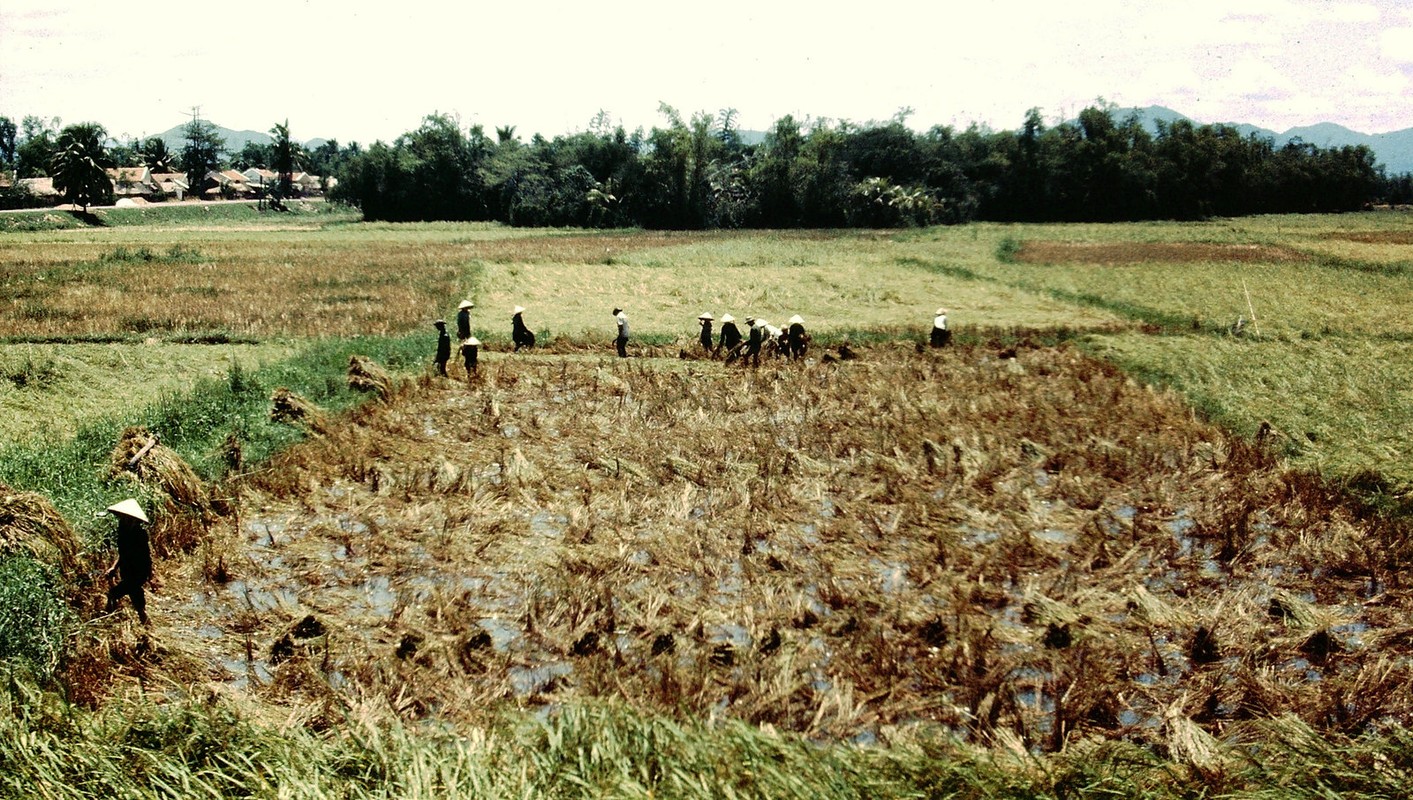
point(698, 172)
point(702, 172)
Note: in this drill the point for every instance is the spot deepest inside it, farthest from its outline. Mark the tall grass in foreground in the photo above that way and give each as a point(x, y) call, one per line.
point(51, 750)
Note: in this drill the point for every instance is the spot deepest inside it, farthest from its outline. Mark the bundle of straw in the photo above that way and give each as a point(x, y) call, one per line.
point(291, 409)
point(364, 375)
point(30, 525)
point(156, 466)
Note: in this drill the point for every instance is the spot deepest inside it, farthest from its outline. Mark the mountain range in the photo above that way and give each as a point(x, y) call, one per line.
point(1394, 150)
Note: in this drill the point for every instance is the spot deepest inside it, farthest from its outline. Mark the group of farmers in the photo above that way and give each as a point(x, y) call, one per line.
point(133, 566)
point(791, 341)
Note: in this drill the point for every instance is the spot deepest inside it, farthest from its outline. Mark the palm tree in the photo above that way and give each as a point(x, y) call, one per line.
point(155, 154)
point(79, 164)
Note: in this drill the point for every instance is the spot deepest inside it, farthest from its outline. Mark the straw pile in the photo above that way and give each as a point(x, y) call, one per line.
point(364, 375)
point(183, 496)
point(30, 525)
point(159, 468)
point(291, 409)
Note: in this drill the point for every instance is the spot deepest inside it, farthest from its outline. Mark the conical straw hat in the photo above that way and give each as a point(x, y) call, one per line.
point(128, 508)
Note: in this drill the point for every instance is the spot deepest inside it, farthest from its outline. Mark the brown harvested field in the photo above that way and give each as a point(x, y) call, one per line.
point(1035, 545)
point(280, 284)
point(1120, 253)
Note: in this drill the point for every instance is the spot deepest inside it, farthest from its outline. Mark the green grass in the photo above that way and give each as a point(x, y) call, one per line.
point(53, 389)
point(1340, 406)
point(194, 421)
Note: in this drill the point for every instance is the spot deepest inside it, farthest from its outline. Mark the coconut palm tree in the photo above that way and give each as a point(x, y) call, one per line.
point(79, 164)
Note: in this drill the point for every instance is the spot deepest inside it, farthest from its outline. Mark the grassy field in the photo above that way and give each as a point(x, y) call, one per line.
point(1029, 565)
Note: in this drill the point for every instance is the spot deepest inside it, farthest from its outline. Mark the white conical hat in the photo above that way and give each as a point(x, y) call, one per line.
point(797, 320)
point(941, 312)
point(128, 508)
point(705, 315)
point(465, 304)
point(519, 310)
point(471, 342)
point(727, 318)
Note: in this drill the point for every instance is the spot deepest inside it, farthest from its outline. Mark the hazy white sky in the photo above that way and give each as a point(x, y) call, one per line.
point(362, 71)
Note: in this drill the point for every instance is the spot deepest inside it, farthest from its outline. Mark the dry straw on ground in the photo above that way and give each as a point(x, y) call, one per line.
point(1027, 548)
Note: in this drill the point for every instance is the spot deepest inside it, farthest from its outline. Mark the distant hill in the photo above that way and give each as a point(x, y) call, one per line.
point(235, 140)
point(1393, 150)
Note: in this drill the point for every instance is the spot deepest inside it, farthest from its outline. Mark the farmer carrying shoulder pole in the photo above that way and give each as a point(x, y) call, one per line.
point(705, 320)
point(463, 320)
point(443, 347)
point(941, 336)
point(133, 565)
point(521, 335)
point(730, 339)
point(622, 341)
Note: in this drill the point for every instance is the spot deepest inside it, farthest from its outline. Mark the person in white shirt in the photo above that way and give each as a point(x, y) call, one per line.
point(941, 336)
point(622, 341)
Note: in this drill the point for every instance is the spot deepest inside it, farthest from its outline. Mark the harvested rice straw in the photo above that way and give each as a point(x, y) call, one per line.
point(364, 375)
point(291, 409)
point(29, 524)
point(139, 455)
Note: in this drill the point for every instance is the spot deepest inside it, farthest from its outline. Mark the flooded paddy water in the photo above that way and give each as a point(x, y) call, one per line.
point(1037, 546)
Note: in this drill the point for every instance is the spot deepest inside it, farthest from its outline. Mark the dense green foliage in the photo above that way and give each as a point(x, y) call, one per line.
point(698, 173)
point(80, 164)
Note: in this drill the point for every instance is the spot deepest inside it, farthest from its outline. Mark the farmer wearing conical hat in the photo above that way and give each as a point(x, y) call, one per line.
point(133, 566)
point(940, 334)
point(730, 336)
point(463, 319)
point(470, 348)
point(443, 347)
point(796, 339)
point(521, 335)
point(705, 320)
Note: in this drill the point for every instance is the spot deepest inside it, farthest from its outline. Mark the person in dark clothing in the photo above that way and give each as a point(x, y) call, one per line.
point(443, 347)
point(705, 338)
point(730, 336)
point(622, 341)
point(754, 340)
point(133, 565)
point(470, 350)
point(941, 336)
point(521, 335)
point(796, 339)
point(463, 320)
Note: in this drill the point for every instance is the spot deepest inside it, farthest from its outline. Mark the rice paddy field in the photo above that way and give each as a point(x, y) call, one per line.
point(1101, 545)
